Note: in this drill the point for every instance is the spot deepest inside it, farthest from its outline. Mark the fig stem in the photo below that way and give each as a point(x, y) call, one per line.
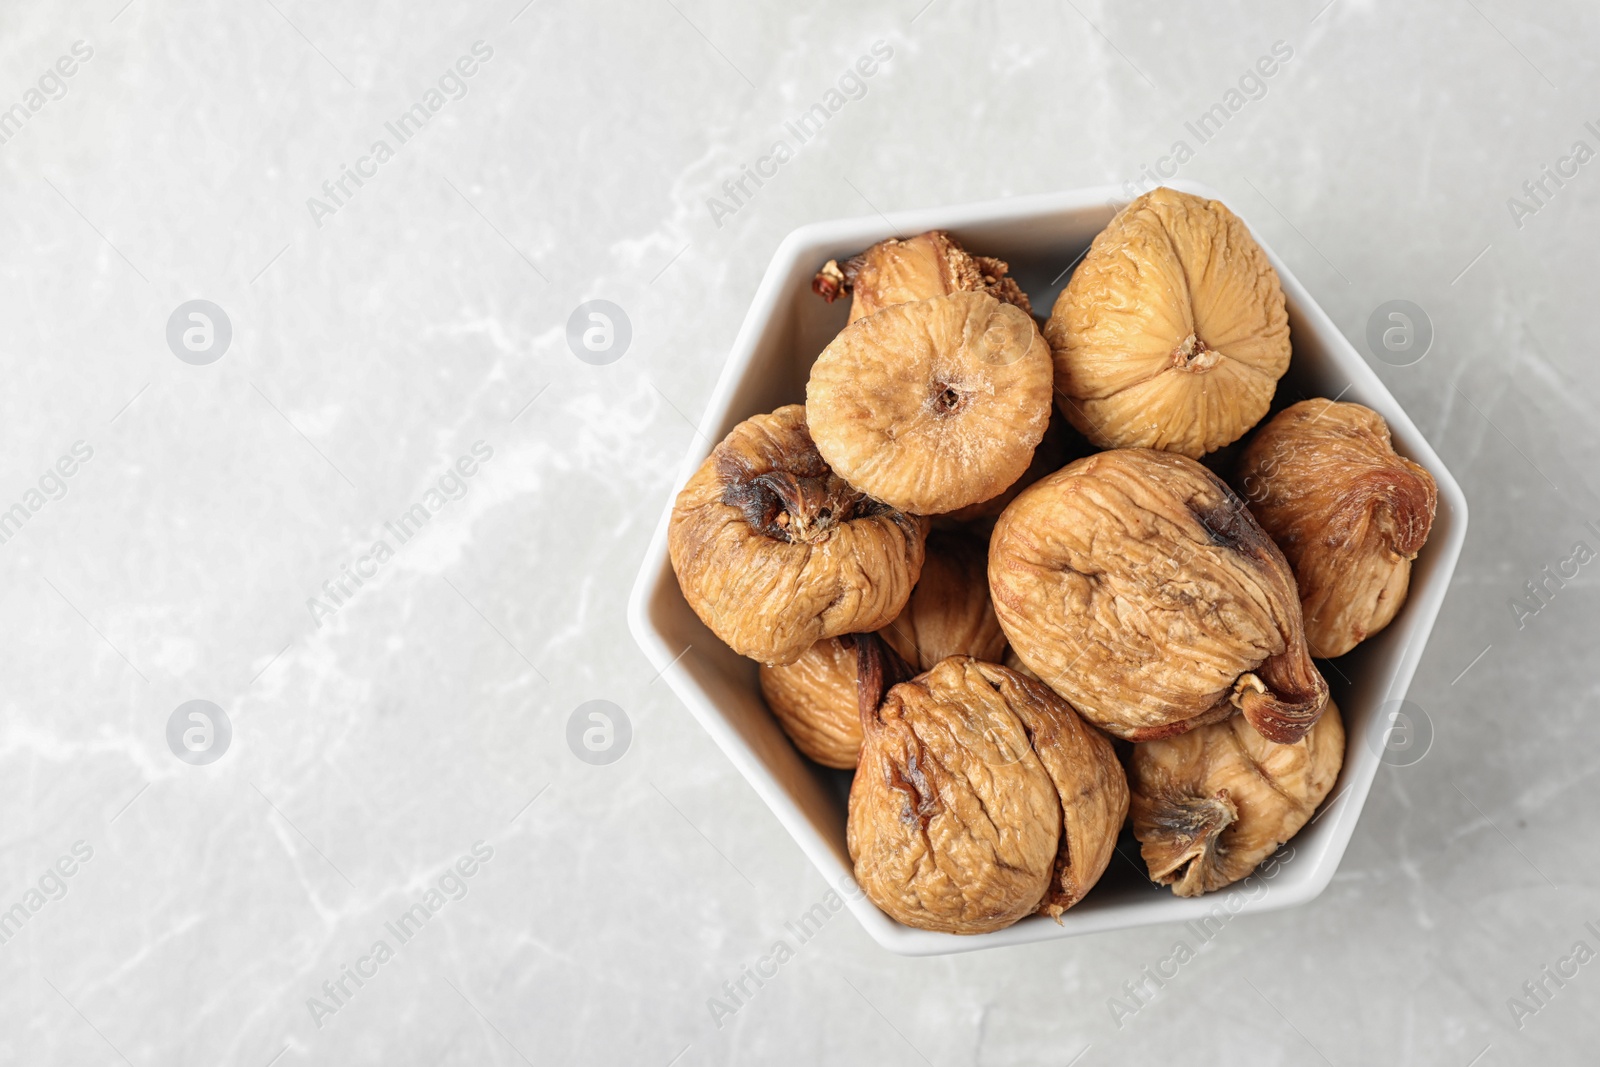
point(1193, 827)
point(792, 507)
point(1286, 712)
point(830, 282)
point(879, 668)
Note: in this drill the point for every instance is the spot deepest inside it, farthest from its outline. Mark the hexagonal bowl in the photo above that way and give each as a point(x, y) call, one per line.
point(1042, 237)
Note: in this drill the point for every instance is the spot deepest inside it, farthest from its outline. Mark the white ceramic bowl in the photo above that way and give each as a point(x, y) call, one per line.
point(1040, 236)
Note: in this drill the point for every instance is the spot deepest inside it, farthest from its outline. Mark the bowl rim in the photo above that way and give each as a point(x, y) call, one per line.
point(1424, 600)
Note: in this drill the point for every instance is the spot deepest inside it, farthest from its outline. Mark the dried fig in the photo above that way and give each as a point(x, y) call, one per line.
point(898, 272)
point(933, 405)
point(949, 613)
point(776, 552)
point(814, 699)
point(1138, 586)
point(980, 799)
point(1172, 333)
point(1349, 513)
point(1210, 805)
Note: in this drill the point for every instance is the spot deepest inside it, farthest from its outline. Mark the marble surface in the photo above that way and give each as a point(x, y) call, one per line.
point(382, 732)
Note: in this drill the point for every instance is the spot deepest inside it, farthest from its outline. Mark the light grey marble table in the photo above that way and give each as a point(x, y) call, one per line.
point(397, 372)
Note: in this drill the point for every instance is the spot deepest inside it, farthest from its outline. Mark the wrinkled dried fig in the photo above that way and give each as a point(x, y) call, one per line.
point(1172, 333)
point(949, 613)
point(933, 405)
point(1349, 513)
point(898, 272)
point(1138, 586)
point(1210, 805)
point(776, 552)
point(980, 799)
point(814, 699)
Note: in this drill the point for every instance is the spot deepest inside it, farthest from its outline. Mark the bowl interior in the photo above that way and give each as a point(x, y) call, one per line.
point(1042, 238)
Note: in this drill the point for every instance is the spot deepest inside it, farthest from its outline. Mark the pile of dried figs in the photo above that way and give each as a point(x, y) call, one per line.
point(984, 566)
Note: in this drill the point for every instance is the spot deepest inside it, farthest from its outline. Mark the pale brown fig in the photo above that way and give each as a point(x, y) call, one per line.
point(898, 272)
point(949, 613)
point(933, 405)
point(814, 699)
point(1172, 332)
point(1350, 514)
point(1136, 584)
point(776, 552)
point(980, 799)
point(1211, 804)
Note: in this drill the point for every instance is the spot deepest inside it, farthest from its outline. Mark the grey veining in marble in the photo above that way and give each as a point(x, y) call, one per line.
point(399, 375)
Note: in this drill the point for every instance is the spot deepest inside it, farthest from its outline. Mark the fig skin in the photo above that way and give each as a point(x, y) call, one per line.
point(776, 552)
point(1059, 445)
point(932, 405)
point(1011, 663)
point(980, 799)
point(1211, 804)
point(1090, 782)
point(1173, 331)
point(1350, 514)
point(949, 613)
point(1137, 585)
point(814, 700)
point(927, 265)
